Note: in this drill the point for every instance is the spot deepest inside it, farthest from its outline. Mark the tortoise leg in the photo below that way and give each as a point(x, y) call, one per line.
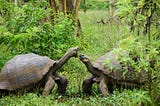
point(48, 86)
point(103, 88)
point(3, 93)
point(62, 84)
point(87, 84)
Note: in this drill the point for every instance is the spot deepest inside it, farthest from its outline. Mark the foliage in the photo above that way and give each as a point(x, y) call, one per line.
point(142, 15)
point(142, 43)
point(131, 98)
point(96, 5)
point(53, 40)
point(23, 32)
point(28, 16)
point(5, 8)
point(143, 55)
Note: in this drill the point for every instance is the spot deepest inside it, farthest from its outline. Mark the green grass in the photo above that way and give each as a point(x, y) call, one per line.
point(126, 98)
point(97, 38)
point(100, 37)
point(96, 4)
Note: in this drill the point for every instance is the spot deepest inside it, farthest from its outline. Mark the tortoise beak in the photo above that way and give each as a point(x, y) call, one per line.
point(83, 58)
point(76, 49)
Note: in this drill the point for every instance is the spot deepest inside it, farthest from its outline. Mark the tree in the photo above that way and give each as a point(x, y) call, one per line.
point(68, 7)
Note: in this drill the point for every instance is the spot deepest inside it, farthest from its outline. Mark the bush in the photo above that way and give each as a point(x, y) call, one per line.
point(143, 55)
point(25, 33)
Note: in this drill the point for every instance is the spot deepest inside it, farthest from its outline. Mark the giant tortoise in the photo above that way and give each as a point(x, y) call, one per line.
point(109, 73)
point(27, 71)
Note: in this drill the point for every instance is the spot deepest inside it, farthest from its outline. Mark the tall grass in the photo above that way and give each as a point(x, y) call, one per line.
point(100, 33)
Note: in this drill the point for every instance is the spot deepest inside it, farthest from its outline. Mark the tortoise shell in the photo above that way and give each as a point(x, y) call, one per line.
point(109, 65)
point(23, 71)
point(107, 62)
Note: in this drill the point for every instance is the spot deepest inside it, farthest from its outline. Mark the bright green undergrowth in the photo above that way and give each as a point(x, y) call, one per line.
point(125, 98)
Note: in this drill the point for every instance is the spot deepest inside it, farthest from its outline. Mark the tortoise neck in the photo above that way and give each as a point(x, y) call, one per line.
point(61, 62)
point(91, 69)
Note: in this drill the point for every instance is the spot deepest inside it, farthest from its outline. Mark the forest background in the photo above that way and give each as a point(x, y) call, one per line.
point(99, 26)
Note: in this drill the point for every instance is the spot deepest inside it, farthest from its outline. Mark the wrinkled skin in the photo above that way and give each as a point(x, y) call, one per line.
point(108, 80)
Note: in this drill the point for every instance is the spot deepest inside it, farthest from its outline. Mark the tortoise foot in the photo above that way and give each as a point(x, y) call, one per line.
point(62, 83)
point(87, 85)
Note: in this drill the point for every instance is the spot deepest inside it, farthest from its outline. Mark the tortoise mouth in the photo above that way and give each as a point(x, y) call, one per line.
point(75, 52)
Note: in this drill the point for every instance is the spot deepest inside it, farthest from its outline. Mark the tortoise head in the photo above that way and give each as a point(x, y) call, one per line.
point(95, 72)
point(83, 58)
point(73, 51)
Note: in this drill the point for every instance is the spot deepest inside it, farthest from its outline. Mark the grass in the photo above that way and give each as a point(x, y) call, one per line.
point(131, 98)
point(97, 38)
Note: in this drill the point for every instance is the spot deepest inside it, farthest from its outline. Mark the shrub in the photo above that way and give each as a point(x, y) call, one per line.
point(25, 33)
point(143, 55)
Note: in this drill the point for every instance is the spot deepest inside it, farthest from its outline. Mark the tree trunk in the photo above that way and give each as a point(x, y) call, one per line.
point(65, 10)
point(78, 25)
point(69, 7)
point(53, 5)
point(61, 6)
point(16, 2)
point(76, 6)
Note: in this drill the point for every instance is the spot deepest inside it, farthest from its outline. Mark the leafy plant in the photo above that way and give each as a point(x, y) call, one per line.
point(141, 15)
point(143, 56)
point(23, 32)
point(28, 16)
point(143, 50)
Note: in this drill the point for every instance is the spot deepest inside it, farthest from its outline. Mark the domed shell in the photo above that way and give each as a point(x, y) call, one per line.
point(108, 62)
point(23, 71)
point(109, 65)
